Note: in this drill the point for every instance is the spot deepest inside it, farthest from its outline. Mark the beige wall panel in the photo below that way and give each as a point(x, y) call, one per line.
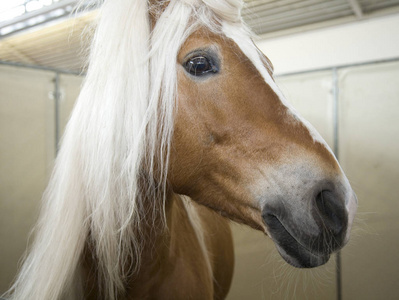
point(26, 157)
point(312, 96)
point(369, 152)
point(260, 272)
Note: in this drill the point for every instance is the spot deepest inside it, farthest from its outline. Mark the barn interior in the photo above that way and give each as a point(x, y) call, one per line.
point(336, 61)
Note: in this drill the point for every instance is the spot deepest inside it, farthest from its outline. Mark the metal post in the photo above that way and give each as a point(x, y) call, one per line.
point(335, 91)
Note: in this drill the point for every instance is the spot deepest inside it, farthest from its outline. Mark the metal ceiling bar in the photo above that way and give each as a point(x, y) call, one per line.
point(76, 67)
point(36, 67)
point(371, 6)
point(303, 12)
point(265, 10)
point(254, 5)
point(304, 7)
point(265, 26)
point(338, 67)
point(357, 9)
point(263, 29)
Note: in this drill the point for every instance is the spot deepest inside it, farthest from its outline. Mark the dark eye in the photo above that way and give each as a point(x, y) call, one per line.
point(200, 65)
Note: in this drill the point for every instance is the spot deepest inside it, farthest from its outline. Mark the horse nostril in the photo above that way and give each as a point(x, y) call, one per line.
point(331, 210)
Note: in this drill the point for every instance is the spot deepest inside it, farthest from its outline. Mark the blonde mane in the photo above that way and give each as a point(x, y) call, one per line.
point(120, 131)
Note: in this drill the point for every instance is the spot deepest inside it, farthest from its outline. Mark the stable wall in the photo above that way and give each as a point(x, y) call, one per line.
point(357, 42)
point(27, 152)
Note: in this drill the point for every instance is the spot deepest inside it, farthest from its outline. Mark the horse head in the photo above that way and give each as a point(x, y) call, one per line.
point(241, 150)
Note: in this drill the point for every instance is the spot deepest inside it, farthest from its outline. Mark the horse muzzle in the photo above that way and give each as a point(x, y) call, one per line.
point(308, 226)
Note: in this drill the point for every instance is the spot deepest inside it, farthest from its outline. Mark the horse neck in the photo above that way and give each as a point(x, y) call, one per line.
point(166, 252)
point(172, 261)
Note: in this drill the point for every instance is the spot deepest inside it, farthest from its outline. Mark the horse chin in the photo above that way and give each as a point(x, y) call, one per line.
point(305, 259)
point(291, 249)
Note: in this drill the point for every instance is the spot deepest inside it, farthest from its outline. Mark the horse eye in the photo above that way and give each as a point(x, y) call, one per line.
point(200, 65)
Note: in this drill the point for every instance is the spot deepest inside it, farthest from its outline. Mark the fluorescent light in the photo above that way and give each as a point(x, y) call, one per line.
point(46, 2)
point(12, 13)
point(33, 5)
point(6, 5)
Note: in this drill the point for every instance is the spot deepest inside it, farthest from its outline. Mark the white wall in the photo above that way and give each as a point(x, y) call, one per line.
point(361, 41)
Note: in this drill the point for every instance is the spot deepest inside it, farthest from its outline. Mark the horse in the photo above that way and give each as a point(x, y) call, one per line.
point(178, 129)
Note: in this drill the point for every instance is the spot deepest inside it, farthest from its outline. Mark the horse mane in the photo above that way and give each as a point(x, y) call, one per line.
point(120, 130)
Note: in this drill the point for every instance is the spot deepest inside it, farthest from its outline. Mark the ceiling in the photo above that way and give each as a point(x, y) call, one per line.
point(58, 42)
point(60, 45)
point(267, 16)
